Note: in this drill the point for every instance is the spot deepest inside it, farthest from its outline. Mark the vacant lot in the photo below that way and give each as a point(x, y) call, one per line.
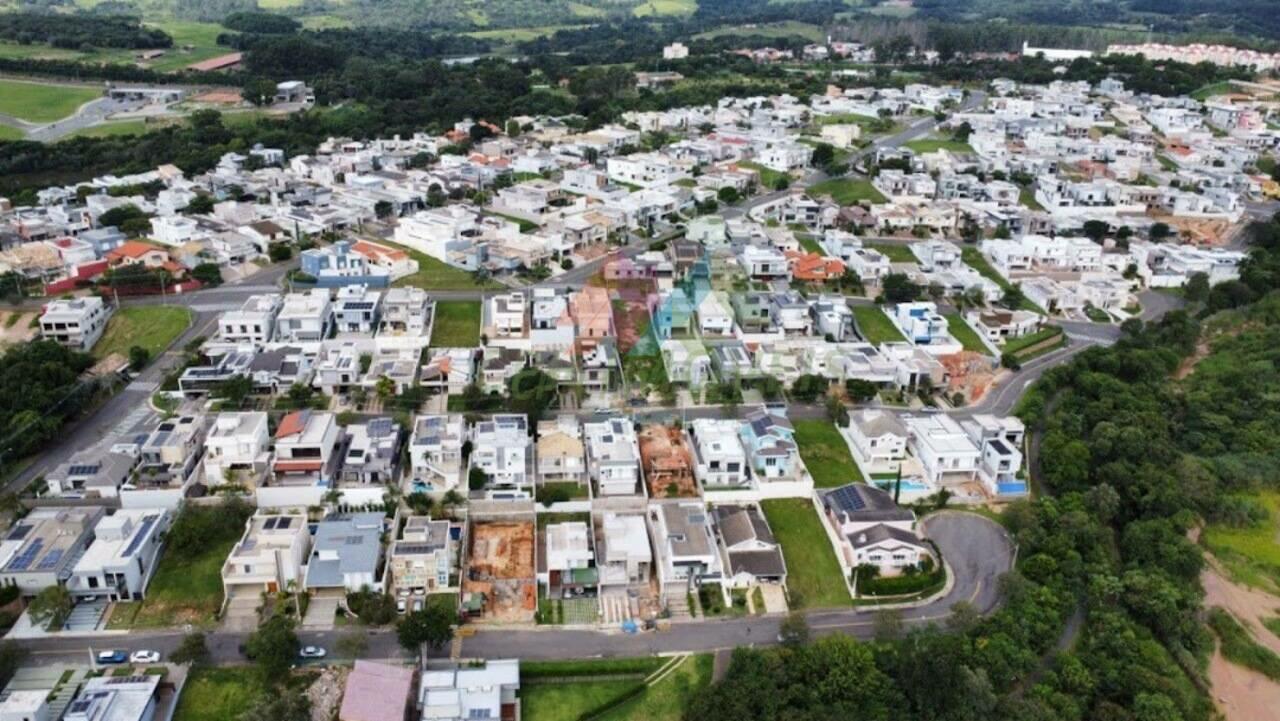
point(457, 324)
point(612, 689)
point(435, 274)
point(39, 103)
point(1250, 555)
point(768, 177)
point(895, 253)
point(847, 191)
point(932, 145)
point(814, 578)
point(964, 333)
point(665, 7)
point(123, 127)
point(153, 327)
point(184, 590)
point(825, 454)
point(875, 326)
point(973, 258)
point(217, 694)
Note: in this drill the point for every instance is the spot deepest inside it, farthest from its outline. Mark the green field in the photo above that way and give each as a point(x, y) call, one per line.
point(201, 37)
point(932, 145)
point(1027, 197)
point(610, 691)
point(519, 35)
point(39, 103)
point(895, 253)
point(825, 454)
point(1208, 91)
point(814, 578)
point(182, 591)
point(457, 324)
point(874, 326)
point(656, 8)
point(847, 191)
point(768, 176)
point(963, 332)
point(786, 29)
point(11, 133)
point(153, 327)
point(123, 127)
point(1251, 555)
point(809, 243)
point(435, 274)
point(218, 693)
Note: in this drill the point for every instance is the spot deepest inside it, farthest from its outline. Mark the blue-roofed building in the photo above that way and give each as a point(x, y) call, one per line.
point(347, 553)
point(770, 441)
point(122, 558)
point(40, 549)
point(339, 265)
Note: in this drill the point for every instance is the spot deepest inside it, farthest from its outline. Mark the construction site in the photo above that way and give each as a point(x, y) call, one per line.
point(500, 583)
point(668, 464)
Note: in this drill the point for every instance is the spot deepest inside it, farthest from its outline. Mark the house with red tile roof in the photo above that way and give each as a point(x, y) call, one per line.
point(813, 267)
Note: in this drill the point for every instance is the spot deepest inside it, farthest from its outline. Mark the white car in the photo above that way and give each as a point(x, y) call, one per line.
point(144, 657)
point(311, 652)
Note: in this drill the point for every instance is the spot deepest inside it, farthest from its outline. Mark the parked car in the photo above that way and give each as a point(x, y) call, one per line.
point(144, 657)
point(116, 656)
point(311, 652)
point(400, 605)
point(417, 605)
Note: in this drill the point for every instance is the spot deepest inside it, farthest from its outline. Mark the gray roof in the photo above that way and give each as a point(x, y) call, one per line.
point(356, 538)
point(742, 523)
point(763, 421)
point(865, 503)
point(761, 564)
point(880, 532)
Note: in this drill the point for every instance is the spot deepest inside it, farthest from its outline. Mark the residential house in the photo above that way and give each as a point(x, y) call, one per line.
point(373, 452)
point(943, 448)
point(749, 551)
point(90, 474)
point(339, 265)
point(422, 560)
point(560, 451)
point(42, 548)
point(450, 370)
point(484, 690)
point(253, 323)
point(377, 692)
point(270, 556)
point(500, 446)
point(613, 457)
point(307, 445)
point(1000, 441)
point(116, 698)
point(623, 554)
point(667, 462)
point(407, 312)
point(877, 438)
point(869, 528)
point(998, 325)
point(687, 555)
point(769, 440)
point(357, 309)
point(76, 323)
point(346, 554)
point(592, 311)
point(122, 558)
point(719, 458)
point(305, 317)
point(570, 562)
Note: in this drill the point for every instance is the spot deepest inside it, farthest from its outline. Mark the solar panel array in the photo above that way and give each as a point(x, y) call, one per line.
point(143, 529)
point(379, 427)
point(358, 305)
point(50, 560)
point(848, 498)
point(23, 560)
point(19, 532)
point(83, 469)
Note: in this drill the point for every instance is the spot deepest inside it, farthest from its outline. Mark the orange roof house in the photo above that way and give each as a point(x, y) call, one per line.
point(813, 266)
point(136, 252)
point(593, 313)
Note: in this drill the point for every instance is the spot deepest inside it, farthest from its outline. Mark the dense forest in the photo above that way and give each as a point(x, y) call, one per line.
point(39, 390)
point(76, 31)
point(1130, 459)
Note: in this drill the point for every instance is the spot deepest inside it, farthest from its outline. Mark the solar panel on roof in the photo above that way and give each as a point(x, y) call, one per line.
point(19, 532)
point(849, 498)
point(50, 560)
point(24, 559)
point(143, 529)
point(83, 469)
point(380, 427)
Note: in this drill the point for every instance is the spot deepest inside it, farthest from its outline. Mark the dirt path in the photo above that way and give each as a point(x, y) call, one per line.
point(1240, 693)
point(1246, 604)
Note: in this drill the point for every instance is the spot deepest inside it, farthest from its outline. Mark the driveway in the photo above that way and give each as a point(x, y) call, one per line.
point(320, 611)
point(242, 611)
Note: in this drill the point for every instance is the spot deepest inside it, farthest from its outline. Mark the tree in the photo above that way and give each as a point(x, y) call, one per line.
point(279, 252)
point(782, 183)
point(273, 647)
point(823, 155)
point(383, 209)
point(477, 479)
point(1095, 230)
point(193, 650)
point(258, 90)
point(1197, 288)
point(138, 358)
point(432, 626)
point(794, 630)
point(1013, 297)
point(385, 388)
point(201, 204)
point(1159, 232)
point(899, 288)
point(207, 273)
point(51, 607)
point(859, 390)
point(234, 390)
point(728, 195)
point(808, 387)
point(532, 392)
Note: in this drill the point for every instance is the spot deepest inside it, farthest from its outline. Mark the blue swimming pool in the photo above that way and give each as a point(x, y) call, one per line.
point(1015, 488)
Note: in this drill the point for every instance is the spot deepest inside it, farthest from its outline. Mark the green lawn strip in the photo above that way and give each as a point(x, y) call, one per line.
point(810, 243)
point(105, 130)
point(825, 454)
point(8, 132)
point(1250, 554)
point(875, 326)
point(526, 226)
point(1017, 345)
point(457, 324)
point(562, 701)
point(847, 191)
point(1027, 197)
point(435, 274)
point(973, 258)
point(40, 103)
point(1239, 647)
point(667, 699)
point(153, 327)
point(218, 693)
point(183, 590)
point(768, 176)
point(562, 668)
point(813, 574)
point(895, 253)
point(932, 145)
point(963, 332)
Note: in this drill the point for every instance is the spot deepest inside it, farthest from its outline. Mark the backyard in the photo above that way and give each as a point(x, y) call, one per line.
point(40, 103)
point(814, 579)
point(457, 324)
point(153, 327)
point(847, 191)
point(963, 332)
point(874, 326)
point(825, 454)
point(648, 689)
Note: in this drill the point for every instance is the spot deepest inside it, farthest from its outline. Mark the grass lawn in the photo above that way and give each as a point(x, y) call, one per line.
point(965, 333)
point(875, 326)
point(665, 7)
point(813, 574)
point(1166, 162)
point(183, 590)
point(1209, 91)
point(218, 693)
point(1017, 344)
point(932, 145)
point(8, 132)
point(847, 191)
point(825, 454)
point(565, 701)
point(1250, 555)
point(153, 327)
point(39, 103)
point(202, 37)
point(457, 324)
point(667, 699)
point(810, 243)
point(434, 274)
point(973, 258)
point(895, 253)
point(1027, 197)
point(548, 694)
point(768, 176)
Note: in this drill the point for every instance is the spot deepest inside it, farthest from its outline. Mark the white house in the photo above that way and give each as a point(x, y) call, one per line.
point(878, 439)
point(253, 322)
point(237, 448)
point(502, 449)
point(120, 561)
point(945, 451)
point(719, 458)
point(687, 555)
point(435, 452)
point(305, 317)
point(76, 323)
point(613, 457)
point(270, 555)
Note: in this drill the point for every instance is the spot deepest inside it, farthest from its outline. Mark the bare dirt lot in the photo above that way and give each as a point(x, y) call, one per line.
point(1240, 693)
point(502, 568)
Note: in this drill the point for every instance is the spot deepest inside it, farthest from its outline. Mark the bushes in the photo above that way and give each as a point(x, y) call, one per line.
point(371, 607)
point(1239, 647)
